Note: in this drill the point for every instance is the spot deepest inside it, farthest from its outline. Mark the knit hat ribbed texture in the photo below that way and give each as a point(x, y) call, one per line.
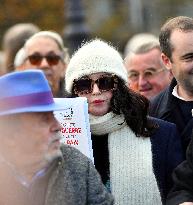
point(94, 57)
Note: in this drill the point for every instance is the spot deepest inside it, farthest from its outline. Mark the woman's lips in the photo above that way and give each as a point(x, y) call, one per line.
point(98, 101)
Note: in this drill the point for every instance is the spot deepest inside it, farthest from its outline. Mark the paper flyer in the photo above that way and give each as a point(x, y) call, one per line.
point(75, 123)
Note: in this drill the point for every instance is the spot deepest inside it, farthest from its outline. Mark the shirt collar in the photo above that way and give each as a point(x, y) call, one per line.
point(175, 93)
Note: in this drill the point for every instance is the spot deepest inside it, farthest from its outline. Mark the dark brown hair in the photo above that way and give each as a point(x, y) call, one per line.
point(134, 107)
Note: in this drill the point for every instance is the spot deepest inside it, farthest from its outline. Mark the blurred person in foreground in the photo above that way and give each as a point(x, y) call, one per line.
point(14, 39)
point(134, 154)
point(175, 103)
point(146, 72)
point(45, 50)
point(35, 169)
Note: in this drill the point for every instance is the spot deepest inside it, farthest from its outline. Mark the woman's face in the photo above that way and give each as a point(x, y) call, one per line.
point(98, 99)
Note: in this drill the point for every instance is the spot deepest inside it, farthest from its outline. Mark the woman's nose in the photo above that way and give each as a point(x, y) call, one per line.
point(95, 89)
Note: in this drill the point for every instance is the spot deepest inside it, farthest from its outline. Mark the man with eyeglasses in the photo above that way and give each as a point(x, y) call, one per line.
point(45, 50)
point(146, 73)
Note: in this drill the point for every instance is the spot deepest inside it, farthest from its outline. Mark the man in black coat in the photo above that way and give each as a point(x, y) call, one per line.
point(182, 191)
point(176, 102)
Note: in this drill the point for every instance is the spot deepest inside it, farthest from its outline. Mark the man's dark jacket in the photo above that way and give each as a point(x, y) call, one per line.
point(182, 190)
point(166, 106)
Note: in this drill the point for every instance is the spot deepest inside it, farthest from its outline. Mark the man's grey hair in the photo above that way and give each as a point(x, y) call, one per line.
point(146, 47)
point(138, 40)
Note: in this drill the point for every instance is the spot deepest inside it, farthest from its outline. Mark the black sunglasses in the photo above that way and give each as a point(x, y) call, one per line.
point(36, 59)
point(104, 83)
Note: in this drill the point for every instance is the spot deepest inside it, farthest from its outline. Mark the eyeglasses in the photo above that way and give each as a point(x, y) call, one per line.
point(147, 74)
point(36, 59)
point(104, 83)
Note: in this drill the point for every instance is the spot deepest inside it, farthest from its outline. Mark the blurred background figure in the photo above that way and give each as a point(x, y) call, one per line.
point(13, 39)
point(45, 51)
point(146, 72)
point(2, 63)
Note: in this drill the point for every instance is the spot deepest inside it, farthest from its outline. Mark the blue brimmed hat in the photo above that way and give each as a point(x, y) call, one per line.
point(27, 91)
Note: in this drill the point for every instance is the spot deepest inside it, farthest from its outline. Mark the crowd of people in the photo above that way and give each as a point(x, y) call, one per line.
point(140, 117)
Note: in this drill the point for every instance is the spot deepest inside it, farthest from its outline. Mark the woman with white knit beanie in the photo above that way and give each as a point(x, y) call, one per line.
point(134, 154)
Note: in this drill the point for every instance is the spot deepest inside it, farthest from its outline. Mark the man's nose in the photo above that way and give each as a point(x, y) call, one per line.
point(95, 89)
point(142, 80)
point(56, 125)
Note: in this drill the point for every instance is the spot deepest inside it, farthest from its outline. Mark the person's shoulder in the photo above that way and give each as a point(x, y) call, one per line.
point(160, 96)
point(165, 130)
point(163, 124)
point(72, 152)
point(158, 103)
point(74, 157)
point(164, 94)
point(165, 134)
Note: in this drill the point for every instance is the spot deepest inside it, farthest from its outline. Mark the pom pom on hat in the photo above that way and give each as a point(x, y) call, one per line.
point(95, 56)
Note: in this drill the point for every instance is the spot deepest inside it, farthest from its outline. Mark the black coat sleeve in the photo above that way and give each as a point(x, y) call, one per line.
point(182, 190)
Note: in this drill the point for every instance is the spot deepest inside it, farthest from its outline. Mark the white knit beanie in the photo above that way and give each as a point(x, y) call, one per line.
point(94, 57)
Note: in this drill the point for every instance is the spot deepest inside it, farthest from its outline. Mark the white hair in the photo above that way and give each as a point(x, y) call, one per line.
point(19, 57)
point(138, 40)
point(56, 37)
